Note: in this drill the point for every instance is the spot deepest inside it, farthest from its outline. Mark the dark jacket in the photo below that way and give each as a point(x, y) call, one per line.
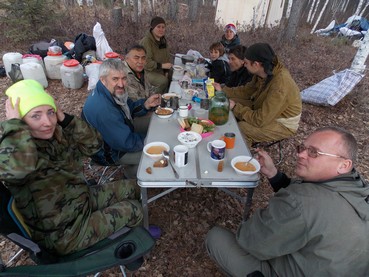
point(219, 70)
point(238, 78)
point(228, 44)
point(103, 113)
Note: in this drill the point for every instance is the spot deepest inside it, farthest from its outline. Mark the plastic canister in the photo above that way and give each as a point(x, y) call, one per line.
point(53, 62)
point(9, 59)
point(34, 71)
point(92, 72)
point(72, 74)
point(27, 58)
point(111, 55)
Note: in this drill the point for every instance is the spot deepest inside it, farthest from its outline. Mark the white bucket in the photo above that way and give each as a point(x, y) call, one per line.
point(34, 71)
point(53, 64)
point(92, 72)
point(9, 59)
point(72, 74)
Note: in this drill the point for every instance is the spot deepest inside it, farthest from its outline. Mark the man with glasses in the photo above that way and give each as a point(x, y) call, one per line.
point(316, 225)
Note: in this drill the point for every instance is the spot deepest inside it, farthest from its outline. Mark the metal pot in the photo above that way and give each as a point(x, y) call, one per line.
point(187, 59)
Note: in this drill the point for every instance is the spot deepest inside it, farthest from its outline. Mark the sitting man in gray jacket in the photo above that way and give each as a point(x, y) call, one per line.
point(315, 226)
point(138, 86)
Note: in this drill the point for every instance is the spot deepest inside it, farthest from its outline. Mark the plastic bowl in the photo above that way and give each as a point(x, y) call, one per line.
point(155, 148)
point(245, 159)
point(165, 115)
point(189, 138)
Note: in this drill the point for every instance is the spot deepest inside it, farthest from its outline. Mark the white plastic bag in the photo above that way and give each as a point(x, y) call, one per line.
point(102, 45)
point(92, 72)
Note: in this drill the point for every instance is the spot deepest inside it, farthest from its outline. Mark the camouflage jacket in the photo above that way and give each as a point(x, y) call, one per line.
point(135, 87)
point(46, 179)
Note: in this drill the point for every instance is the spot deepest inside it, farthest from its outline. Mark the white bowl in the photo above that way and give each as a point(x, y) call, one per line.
point(166, 115)
point(155, 148)
point(245, 159)
point(189, 138)
point(169, 95)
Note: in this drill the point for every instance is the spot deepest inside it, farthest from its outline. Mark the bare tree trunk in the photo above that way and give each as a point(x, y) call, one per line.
point(290, 31)
point(358, 64)
point(173, 9)
point(358, 8)
point(150, 3)
point(319, 17)
point(288, 12)
point(117, 16)
point(310, 15)
point(194, 7)
point(135, 11)
point(363, 10)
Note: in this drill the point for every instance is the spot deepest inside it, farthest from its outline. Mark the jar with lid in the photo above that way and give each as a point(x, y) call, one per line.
point(219, 108)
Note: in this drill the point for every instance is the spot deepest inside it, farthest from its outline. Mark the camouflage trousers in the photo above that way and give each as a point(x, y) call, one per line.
point(114, 205)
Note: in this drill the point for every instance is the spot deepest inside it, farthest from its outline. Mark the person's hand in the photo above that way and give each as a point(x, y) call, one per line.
point(59, 113)
point(231, 104)
point(217, 86)
point(267, 166)
point(166, 65)
point(152, 101)
point(10, 110)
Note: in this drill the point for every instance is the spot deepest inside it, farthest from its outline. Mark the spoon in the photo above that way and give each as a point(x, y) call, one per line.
point(166, 155)
point(249, 160)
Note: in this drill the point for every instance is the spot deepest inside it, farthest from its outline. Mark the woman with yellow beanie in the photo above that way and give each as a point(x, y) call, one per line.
point(41, 150)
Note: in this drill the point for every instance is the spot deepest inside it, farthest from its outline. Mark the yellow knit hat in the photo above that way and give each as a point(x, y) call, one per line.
point(31, 94)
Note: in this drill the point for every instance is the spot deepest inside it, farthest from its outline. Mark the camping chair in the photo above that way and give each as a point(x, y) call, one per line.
point(125, 248)
point(266, 145)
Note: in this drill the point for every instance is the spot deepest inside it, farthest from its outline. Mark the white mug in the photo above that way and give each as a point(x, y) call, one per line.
point(180, 155)
point(183, 111)
point(217, 149)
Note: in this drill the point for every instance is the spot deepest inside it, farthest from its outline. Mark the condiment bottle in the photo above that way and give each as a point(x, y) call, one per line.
point(219, 108)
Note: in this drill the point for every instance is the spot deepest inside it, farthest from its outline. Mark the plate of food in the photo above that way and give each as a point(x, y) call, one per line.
point(164, 112)
point(204, 127)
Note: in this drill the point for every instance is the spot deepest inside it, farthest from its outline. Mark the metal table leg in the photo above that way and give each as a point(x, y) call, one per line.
point(144, 207)
point(246, 212)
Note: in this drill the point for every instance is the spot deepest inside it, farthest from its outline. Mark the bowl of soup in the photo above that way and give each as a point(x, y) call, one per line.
point(244, 166)
point(155, 149)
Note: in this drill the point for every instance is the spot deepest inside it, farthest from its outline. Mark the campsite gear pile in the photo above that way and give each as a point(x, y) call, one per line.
point(66, 61)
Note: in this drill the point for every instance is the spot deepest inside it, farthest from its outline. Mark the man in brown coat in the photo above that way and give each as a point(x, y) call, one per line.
point(269, 107)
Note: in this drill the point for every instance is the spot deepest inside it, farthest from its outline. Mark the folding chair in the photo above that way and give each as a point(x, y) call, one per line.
point(269, 144)
point(125, 248)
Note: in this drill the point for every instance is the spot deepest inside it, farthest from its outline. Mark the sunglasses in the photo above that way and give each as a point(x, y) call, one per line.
point(314, 153)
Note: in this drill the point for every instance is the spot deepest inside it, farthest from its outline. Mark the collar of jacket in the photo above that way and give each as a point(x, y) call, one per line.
point(162, 43)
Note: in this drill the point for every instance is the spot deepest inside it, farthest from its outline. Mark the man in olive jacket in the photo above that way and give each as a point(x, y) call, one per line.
point(315, 226)
point(269, 107)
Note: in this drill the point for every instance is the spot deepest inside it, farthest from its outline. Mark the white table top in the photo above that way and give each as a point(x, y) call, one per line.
point(201, 170)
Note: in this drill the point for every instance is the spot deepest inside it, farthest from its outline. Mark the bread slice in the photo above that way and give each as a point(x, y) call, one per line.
point(182, 123)
point(197, 128)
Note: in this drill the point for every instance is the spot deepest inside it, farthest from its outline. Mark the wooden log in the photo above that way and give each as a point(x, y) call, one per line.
point(117, 16)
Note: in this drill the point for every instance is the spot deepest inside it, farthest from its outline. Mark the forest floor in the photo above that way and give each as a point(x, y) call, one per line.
point(186, 215)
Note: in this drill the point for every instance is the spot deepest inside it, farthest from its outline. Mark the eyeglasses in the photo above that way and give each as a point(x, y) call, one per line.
point(314, 153)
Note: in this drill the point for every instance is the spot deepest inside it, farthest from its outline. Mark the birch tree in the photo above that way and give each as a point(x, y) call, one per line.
point(289, 5)
point(358, 8)
point(320, 16)
point(310, 15)
point(363, 10)
point(358, 64)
